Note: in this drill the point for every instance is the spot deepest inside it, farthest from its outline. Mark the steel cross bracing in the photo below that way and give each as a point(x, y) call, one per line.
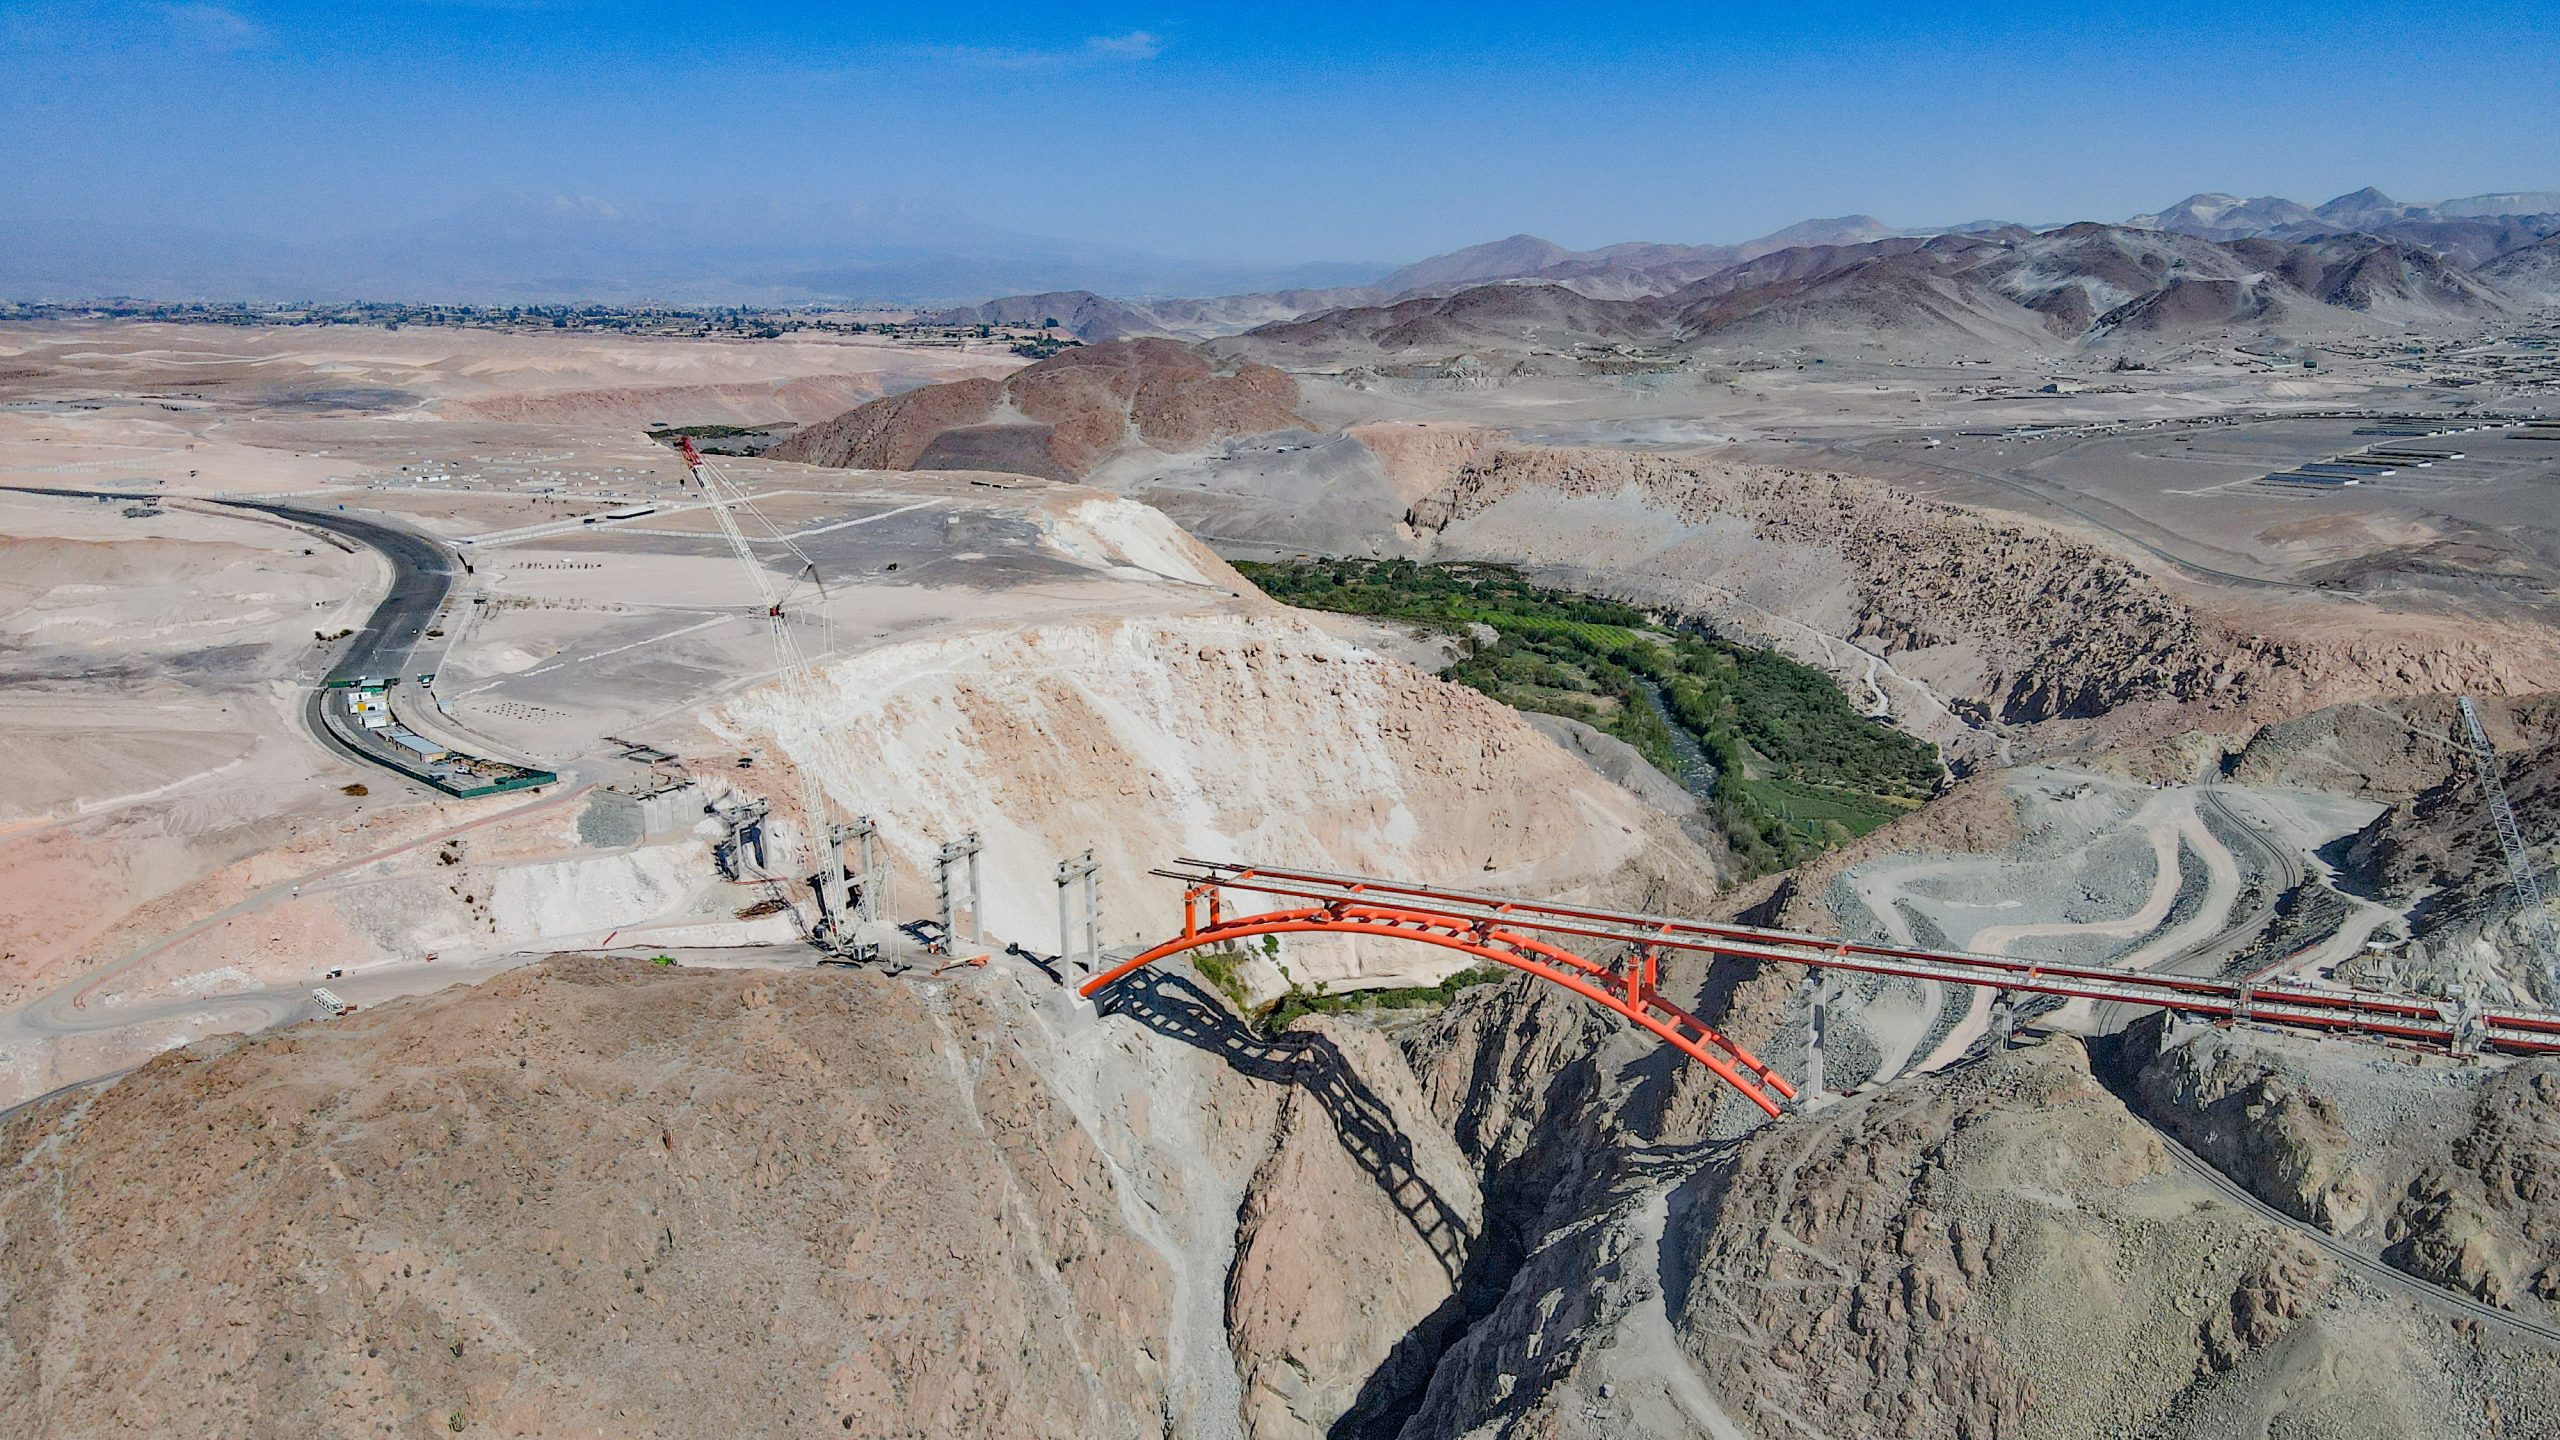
point(1365, 904)
point(2536, 915)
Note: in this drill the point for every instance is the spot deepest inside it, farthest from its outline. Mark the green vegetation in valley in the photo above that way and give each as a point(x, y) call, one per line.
point(1797, 767)
point(705, 432)
point(1222, 967)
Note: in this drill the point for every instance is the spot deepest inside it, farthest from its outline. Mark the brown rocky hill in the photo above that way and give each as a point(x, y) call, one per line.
point(1060, 417)
point(1505, 315)
point(600, 1196)
point(2012, 289)
point(2530, 274)
point(1910, 298)
point(604, 1197)
point(1080, 313)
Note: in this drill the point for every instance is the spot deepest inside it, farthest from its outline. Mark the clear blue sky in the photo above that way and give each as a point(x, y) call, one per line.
point(1373, 131)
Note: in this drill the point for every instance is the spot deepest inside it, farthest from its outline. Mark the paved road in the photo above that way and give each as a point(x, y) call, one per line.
point(422, 573)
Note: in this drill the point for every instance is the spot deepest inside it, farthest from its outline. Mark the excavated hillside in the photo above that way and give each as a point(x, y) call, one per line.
point(2003, 619)
point(1058, 418)
point(2435, 852)
point(1225, 735)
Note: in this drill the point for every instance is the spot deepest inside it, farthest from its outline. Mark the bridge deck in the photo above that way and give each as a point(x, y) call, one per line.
point(2420, 1020)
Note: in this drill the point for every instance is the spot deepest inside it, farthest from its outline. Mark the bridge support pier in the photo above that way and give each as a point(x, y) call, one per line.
point(1079, 918)
point(946, 864)
point(1817, 1018)
point(872, 905)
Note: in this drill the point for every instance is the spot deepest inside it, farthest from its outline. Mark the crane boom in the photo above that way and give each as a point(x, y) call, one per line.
point(2534, 911)
point(794, 673)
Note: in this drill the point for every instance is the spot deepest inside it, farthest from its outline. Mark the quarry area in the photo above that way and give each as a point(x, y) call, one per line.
point(549, 876)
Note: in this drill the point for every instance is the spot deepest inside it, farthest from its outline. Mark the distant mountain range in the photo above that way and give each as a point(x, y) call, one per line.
point(2008, 291)
point(2216, 216)
point(2210, 260)
point(533, 249)
point(1635, 268)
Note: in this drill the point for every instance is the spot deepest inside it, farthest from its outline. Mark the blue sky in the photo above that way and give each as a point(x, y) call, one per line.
point(1369, 132)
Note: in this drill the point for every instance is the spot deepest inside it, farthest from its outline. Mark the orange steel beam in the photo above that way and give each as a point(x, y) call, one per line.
point(1366, 905)
point(1629, 992)
point(2400, 1017)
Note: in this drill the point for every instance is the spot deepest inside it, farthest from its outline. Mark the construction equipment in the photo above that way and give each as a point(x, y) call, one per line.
point(2541, 932)
point(794, 673)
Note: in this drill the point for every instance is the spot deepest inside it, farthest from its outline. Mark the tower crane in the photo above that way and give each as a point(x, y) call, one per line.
point(796, 677)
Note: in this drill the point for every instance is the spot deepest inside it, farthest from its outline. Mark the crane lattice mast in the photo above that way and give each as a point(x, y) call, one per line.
point(2539, 928)
point(795, 672)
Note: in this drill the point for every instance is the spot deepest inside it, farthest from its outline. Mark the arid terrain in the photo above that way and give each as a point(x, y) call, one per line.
point(2171, 549)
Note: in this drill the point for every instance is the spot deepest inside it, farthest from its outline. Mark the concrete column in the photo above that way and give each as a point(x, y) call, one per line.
point(1814, 1019)
point(977, 897)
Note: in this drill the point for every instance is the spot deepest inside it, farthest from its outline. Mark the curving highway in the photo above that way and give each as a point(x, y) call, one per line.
point(422, 574)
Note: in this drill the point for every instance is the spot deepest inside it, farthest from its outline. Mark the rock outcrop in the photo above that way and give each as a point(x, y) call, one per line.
point(1996, 1250)
point(2263, 1123)
point(2449, 1172)
point(2487, 1219)
point(1355, 1236)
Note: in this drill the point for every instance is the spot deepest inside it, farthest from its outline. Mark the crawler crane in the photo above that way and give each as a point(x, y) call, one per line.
point(2540, 931)
point(797, 677)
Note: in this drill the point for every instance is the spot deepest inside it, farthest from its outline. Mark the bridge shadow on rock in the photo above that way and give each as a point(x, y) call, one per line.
point(1173, 1006)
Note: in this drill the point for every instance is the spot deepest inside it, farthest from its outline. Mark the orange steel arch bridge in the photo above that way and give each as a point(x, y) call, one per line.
point(1529, 935)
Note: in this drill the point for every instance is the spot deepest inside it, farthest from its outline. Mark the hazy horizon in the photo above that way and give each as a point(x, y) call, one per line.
point(1294, 149)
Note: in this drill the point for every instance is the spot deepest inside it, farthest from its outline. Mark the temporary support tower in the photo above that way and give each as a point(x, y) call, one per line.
point(873, 903)
point(947, 863)
point(1079, 909)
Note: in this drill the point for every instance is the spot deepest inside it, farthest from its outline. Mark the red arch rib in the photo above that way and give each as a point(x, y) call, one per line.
point(1626, 995)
